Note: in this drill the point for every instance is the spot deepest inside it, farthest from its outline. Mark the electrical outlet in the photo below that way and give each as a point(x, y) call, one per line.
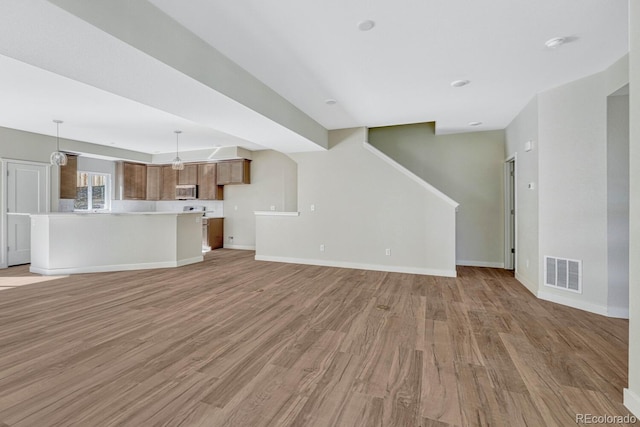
point(313, 208)
point(387, 252)
point(272, 207)
point(321, 248)
point(231, 239)
point(235, 208)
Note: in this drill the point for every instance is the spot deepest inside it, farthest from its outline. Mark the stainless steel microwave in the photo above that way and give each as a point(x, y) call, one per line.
point(186, 192)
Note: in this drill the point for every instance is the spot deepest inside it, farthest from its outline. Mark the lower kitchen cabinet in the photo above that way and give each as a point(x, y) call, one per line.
point(216, 232)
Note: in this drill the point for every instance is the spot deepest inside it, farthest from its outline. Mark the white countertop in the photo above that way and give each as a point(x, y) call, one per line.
point(74, 214)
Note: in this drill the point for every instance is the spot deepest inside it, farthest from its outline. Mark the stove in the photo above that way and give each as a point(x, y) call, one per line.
point(194, 209)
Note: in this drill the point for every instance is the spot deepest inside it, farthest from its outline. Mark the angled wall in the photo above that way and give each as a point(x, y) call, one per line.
point(273, 185)
point(576, 168)
point(468, 168)
point(573, 194)
point(355, 204)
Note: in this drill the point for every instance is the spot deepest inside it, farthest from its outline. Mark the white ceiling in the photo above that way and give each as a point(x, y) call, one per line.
point(399, 72)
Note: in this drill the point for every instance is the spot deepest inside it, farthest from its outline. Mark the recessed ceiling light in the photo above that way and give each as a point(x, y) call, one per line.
point(330, 101)
point(366, 25)
point(475, 123)
point(460, 83)
point(555, 42)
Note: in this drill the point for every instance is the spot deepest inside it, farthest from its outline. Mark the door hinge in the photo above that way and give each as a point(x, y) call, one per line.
point(513, 251)
point(513, 211)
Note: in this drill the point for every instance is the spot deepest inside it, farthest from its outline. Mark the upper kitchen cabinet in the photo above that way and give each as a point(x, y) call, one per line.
point(69, 177)
point(188, 175)
point(154, 182)
point(208, 188)
point(234, 172)
point(134, 181)
point(169, 182)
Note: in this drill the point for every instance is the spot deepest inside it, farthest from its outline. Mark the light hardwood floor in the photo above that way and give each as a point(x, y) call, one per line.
point(237, 342)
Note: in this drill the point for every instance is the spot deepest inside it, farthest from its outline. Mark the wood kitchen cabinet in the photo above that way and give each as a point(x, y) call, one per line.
point(134, 179)
point(69, 177)
point(154, 182)
point(188, 175)
point(234, 172)
point(208, 188)
point(215, 232)
point(169, 181)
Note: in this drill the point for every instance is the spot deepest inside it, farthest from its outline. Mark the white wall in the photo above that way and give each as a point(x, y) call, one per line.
point(618, 204)
point(632, 393)
point(88, 164)
point(578, 168)
point(20, 145)
point(33, 147)
point(573, 186)
point(468, 168)
point(362, 205)
point(522, 129)
point(273, 184)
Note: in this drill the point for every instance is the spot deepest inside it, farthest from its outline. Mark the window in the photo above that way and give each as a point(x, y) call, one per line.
point(93, 192)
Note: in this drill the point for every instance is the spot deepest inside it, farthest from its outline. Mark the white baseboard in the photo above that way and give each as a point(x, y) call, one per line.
point(359, 266)
point(632, 402)
point(530, 286)
point(570, 302)
point(241, 247)
point(114, 267)
point(618, 312)
point(480, 264)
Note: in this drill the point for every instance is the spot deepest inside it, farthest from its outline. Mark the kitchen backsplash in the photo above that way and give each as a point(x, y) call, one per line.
point(133, 206)
point(213, 207)
point(65, 205)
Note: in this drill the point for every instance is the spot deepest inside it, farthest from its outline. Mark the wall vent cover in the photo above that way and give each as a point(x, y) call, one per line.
point(563, 273)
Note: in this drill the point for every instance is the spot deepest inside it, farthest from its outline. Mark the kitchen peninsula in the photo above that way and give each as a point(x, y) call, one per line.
point(68, 243)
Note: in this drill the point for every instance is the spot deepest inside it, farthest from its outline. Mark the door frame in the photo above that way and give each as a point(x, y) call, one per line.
point(510, 194)
point(4, 202)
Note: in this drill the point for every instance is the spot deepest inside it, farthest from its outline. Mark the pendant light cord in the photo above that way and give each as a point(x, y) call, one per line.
point(57, 122)
point(177, 132)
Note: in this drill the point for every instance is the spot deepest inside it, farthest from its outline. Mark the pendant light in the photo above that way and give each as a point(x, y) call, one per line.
point(58, 158)
point(177, 162)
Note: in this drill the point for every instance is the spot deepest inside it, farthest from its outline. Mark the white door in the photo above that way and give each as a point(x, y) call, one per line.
point(27, 193)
